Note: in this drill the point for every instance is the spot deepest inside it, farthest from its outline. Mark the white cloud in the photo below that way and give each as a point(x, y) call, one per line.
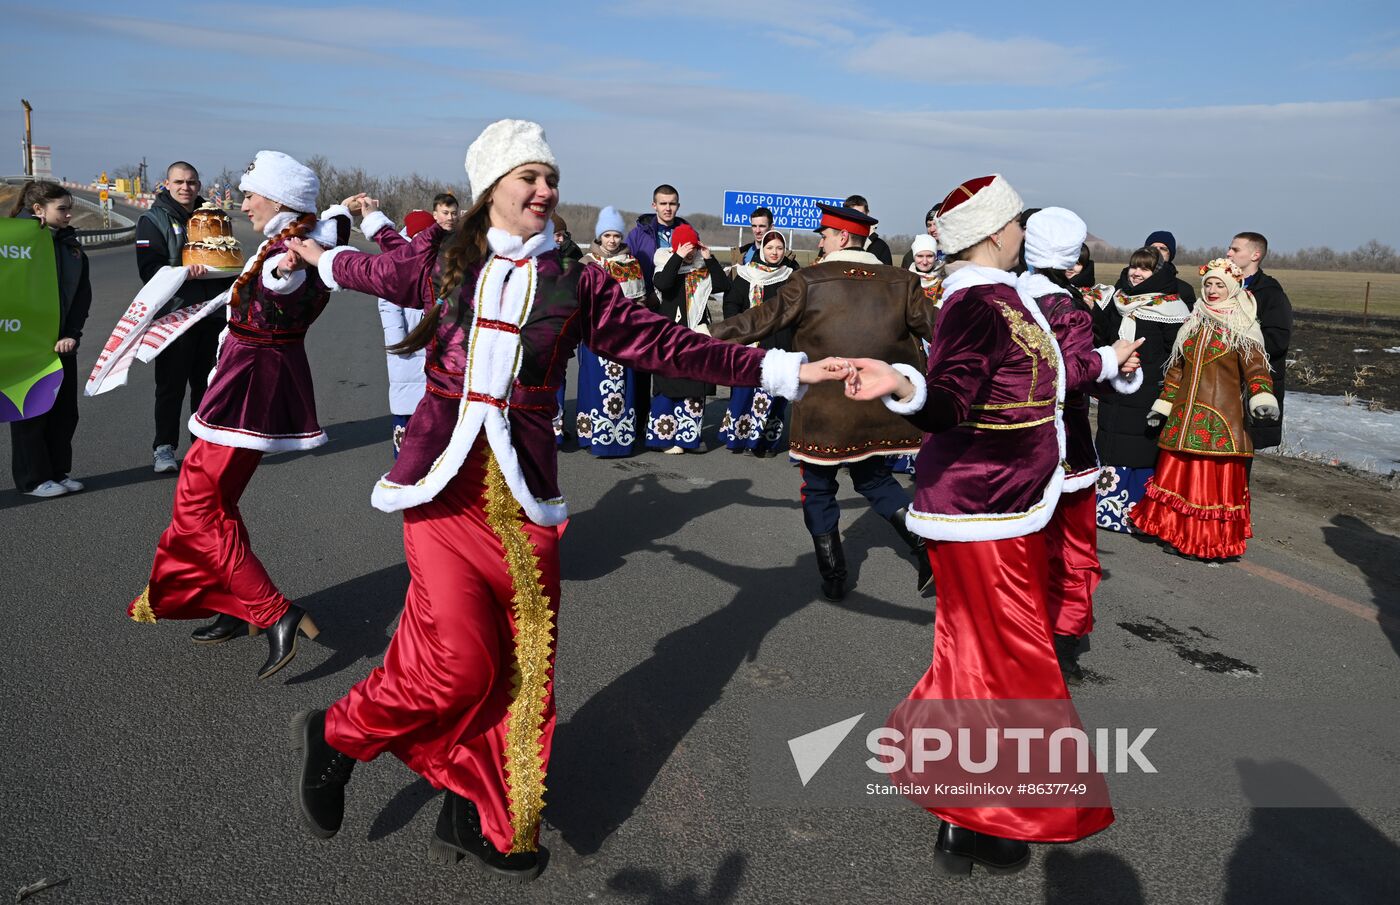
point(958, 58)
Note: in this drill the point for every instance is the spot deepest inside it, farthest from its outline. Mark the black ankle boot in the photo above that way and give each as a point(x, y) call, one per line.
point(958, 848)
point(282, 639)
point(324, 774)
point(831, 562)
point(1067, 652)
point(459, 833)
point(916, 549)
point(223, 628)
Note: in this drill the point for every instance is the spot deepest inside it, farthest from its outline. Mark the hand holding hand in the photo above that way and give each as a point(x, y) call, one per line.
point(307, 250)
point(353, 202)
point(195, 271)
point(1132, 364)
point(368, 205)
point(872, 379)
point(65, 345)
point(824, 370)
point(1126, 349)
point(290, 263)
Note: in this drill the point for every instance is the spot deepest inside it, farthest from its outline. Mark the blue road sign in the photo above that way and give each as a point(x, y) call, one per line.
point(789, 211)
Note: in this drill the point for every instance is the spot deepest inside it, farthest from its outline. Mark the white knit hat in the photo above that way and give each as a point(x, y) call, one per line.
point(975, 210)
point(924, 242)
point(609, 221)
point(503, 146)
point(1054, 238)
point(281, 178)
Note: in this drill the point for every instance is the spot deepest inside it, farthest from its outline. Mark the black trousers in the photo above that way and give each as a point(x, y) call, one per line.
point(873, 480)
point(186, 363)
point(41, 448)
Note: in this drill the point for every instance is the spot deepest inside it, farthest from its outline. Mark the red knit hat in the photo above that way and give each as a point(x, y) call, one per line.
point(417, 221)
point(683, 234)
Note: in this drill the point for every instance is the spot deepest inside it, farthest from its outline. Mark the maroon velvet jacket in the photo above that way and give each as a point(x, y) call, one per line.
point(1074, 331)
point(582, 305)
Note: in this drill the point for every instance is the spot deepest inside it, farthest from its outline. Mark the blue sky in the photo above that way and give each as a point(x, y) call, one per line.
point(1205, 118)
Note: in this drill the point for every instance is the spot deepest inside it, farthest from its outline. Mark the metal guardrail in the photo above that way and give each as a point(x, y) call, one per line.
point(105, 238)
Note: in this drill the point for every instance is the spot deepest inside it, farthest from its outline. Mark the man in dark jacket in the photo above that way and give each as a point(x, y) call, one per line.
point(847, 305)
point(653, 231)
point(873, 243)
point(1164, 243)
point(160, 237)
point(761, 222)
point(1248, 251)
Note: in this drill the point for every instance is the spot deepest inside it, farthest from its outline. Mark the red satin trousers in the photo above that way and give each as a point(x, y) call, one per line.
point(1071, 540)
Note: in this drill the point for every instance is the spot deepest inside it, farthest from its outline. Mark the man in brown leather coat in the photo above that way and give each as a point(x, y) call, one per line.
point(849, 304)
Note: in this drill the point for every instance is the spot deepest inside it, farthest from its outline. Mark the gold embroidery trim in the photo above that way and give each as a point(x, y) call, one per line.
point(997, 407)
point(986, 425)
point(1011, 516)
point(1032, 340)
point(1162, 490)
point(141, 611)
point(534, 641)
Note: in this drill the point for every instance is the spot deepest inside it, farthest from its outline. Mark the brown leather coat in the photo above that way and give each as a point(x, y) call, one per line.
point(1203, 396)
point(849, 307)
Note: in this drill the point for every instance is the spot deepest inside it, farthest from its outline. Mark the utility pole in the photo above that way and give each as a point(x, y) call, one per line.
point(28, 139)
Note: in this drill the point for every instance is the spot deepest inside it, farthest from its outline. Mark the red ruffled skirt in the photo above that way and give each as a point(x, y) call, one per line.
point(1198, 504)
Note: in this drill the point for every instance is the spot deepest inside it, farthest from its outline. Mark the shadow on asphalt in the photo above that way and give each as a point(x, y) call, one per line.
point(1318, 854)
point(402, 808)
point(1375, 554)
point(355, 616)
point(649, 887)
point(607, 756)
point(1093, 878)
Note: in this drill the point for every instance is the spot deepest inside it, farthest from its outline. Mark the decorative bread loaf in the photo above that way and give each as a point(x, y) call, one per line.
point(209, 240)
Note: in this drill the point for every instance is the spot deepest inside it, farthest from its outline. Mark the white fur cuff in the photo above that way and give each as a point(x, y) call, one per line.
point(779, 374)
point(1162, 407)
point(910, 406)
point(1127, 385)
point(325, 267)
point(281, 285)
point(1108, 363)
point(374, 222)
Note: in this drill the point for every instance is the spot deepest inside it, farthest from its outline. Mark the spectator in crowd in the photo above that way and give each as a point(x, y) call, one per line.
point(760, 221)
point(1085, 265)
point(653, 231)
point(686, 275)
point(186, 362)
point(606, 419)
point(1164, 243)
point(1247, 251)
point(569, 252)
point(41, 448)
point(1144, 304)
point(930, 229)
point(446, 210)
point(1198, 498)
point(873, 243)
point(753, 423)
point(926, 264)
point(406, 378)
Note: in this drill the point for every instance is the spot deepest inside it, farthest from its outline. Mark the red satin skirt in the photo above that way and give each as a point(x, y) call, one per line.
point(1071, 539)
point(465, 697)
point(204, 564)
point(991, 640)
point(1198, 504)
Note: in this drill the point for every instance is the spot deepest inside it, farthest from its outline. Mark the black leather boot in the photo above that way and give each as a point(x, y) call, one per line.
point(958, 848)
point(459, 833)
point(282, 639)
point(324, 774)
point(1067, 652)
point(223, 628)
point(917, 550)
point(831, 562)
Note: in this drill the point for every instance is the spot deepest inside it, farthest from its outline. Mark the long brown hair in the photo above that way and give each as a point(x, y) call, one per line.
point(298, 228)
point(39, 191)
point(464, 248)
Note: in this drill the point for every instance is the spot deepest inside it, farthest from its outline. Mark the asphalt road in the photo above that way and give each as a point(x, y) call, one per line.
point(145, 769)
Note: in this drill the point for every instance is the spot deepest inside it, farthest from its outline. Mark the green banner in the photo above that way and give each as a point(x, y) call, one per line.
point(30, 372)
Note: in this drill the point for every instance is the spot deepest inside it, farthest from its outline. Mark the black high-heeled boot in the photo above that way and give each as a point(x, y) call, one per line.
point(831, 562)
point(324, 774)
point(958, 848)
point(459, 833)
point(1067, 652)
point(917, 550)
point(282, 638)
point(223, 628)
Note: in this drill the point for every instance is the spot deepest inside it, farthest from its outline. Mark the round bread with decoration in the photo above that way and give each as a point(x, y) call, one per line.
point(209, 240)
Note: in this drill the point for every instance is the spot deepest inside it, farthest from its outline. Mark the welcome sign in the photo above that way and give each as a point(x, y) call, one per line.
point(789, 211)
point(30, 372)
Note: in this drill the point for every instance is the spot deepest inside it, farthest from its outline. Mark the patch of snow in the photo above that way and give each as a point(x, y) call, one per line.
point(1394, 350)
point(1328, 429)
point(1360, 350)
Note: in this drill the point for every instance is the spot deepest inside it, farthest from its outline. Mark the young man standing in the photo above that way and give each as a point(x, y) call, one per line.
point(1247, 251)
point(873, 244)
point(760, 221)
point(653, 231)
point(160, 239)
point(446, 210)
point(847, 302)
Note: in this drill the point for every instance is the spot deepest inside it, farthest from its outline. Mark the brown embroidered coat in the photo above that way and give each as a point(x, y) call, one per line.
point(1203, 396)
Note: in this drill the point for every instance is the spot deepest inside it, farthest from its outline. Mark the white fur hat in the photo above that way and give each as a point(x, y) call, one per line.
point(924, 242)
point(609, 221)
point(1054, 237)
point(281, 178)
point(503, 146)
point(975, 210)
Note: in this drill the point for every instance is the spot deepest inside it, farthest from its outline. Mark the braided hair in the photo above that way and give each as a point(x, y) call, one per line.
point(297, 229)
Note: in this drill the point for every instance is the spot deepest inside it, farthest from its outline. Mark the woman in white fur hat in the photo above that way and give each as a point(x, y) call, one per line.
point(606, 422)
point(260, 400)
point(466, 693)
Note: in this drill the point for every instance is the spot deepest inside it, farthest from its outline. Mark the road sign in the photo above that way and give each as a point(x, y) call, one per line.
point(789, 211)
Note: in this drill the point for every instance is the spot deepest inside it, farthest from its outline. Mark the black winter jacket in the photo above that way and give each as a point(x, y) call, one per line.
point(74, 286)
point(1276, 320)
point(670, 285)
point(160, 236)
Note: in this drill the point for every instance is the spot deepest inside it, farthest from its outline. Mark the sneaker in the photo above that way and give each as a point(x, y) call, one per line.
point(70, 485)
point(48, 489)
point(165, 459)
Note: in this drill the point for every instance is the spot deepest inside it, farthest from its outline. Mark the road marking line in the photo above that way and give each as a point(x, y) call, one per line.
point(1370, 614)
